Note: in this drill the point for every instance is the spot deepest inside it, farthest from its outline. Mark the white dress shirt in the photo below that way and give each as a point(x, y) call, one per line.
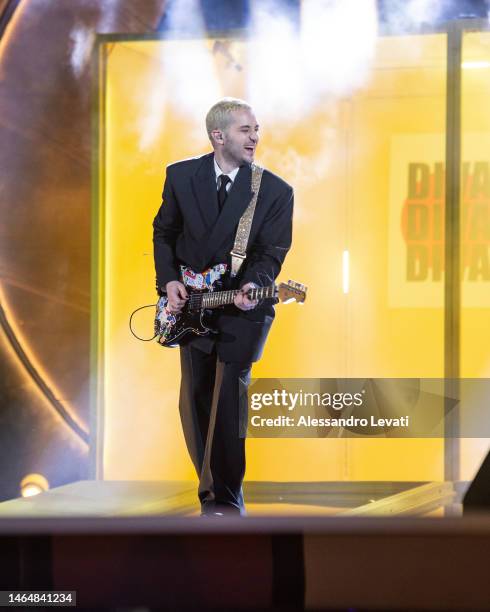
point(231, 175)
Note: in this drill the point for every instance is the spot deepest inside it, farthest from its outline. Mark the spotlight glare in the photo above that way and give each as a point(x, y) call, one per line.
point(33, 484)
point(31, 490)
point(472, 65)
point(345, 271)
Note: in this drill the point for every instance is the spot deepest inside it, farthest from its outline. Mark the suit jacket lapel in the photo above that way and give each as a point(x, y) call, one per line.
point(238, 199)
point(204, 187)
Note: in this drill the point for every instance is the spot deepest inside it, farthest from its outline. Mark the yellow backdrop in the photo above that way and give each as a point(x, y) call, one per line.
point(349, 161)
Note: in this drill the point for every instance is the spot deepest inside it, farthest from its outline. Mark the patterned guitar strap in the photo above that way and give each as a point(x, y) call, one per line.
point(239, 250)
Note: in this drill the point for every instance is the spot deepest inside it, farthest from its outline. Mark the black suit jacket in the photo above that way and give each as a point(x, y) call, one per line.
point(190, 230)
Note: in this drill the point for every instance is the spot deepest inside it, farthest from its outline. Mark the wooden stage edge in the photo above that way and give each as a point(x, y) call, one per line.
point(253, 563)
point(302, 562)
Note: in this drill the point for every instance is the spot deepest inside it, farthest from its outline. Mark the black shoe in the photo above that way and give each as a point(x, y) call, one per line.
point(219, 510)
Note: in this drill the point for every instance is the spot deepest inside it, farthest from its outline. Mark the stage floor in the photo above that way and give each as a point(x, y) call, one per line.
point(99, 498)
point(316, 545)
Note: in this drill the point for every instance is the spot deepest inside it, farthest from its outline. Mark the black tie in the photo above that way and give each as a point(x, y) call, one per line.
point(222, 193)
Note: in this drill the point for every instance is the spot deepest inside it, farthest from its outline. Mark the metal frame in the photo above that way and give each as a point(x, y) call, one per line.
point(452, 256)
point(96, 413)
point(452, 279)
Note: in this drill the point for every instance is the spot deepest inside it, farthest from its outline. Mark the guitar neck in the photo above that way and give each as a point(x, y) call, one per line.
point(215, 299)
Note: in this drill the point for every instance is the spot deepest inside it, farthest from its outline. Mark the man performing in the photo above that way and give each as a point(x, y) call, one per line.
point(194, 232)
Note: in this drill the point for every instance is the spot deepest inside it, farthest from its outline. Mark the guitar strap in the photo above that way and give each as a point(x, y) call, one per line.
point(239, 251)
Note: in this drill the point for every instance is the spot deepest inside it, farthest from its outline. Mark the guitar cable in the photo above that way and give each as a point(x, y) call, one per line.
point(131, 319)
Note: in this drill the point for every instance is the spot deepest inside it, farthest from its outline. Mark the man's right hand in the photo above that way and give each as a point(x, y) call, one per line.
point(177, 296)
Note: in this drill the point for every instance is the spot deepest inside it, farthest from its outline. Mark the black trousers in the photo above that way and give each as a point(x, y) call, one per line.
point(213, 411)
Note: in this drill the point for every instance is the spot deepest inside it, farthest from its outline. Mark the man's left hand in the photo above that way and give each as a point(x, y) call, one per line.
point(242, 301)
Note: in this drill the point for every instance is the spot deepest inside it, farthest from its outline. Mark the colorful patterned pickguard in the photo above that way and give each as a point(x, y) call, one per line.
point(202, 280)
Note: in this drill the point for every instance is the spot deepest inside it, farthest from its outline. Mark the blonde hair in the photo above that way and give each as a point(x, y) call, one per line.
point(218, 117)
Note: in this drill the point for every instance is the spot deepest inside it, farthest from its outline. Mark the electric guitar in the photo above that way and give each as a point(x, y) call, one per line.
point(194, 318)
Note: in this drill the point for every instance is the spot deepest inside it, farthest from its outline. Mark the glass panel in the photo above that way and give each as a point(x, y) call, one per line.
point(475, 226)
point(394, 309)
point(367, 171)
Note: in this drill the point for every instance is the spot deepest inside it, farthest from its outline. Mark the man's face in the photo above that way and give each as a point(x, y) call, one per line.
point(240, 137)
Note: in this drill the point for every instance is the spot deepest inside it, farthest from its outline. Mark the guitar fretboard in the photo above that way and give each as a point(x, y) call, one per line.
point(222, 298)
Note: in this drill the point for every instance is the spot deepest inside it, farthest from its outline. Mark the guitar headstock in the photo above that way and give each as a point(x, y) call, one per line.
point(292, 292)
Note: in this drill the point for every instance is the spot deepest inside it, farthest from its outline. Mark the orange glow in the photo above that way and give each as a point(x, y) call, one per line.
point(33, 484)
point(41, 371)
point(9, 30)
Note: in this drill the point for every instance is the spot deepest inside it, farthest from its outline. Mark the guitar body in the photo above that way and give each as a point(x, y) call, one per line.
point(172, 328)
